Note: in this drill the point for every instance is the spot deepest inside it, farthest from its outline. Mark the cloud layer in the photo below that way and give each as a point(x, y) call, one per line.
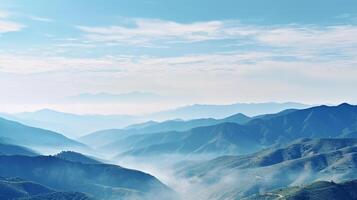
point(294, 36)
point(219, 61)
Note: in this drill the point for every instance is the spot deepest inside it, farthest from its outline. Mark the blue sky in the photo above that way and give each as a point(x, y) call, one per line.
point(186, 51)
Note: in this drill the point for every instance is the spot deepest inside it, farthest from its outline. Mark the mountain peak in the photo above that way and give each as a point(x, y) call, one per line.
point(77, 157)
point(46, 110)
point(345, 105)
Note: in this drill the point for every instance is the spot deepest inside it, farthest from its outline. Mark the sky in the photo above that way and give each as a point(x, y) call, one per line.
point(56, 53)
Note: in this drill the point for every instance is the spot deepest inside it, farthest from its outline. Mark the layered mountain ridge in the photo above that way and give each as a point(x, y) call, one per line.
point(232, 138)
point(300, 162)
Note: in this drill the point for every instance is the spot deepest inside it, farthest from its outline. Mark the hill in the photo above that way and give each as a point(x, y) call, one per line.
point(300, 162)
point(13, 188)
point(34, 137)
point(9, 149)
point(100, 180)
point(315, 191)
point(77, 157)
point(19, 189)
point(298, 149)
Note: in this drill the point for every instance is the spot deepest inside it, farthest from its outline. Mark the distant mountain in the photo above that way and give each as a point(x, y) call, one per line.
point(130, 97)
point(32, 137)
point(142, 125)
point(269, 116)
point(71, 125)
point(77, 157)
point(232, 138)
point(74, 125)
point(9, 149)
point(316, 191)
point(217, 139)
point(100, 180)
point(220, 111)
point(106, 137)
point(300, 162)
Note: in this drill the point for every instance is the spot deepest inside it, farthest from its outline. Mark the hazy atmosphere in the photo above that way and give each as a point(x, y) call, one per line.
point(142, 56)
point(178, 100)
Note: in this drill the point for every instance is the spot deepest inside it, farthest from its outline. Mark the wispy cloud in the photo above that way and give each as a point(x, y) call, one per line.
point(301, 41)
point(30, 64)
point(310, 36)
point(148, 30)
point(9, 26)
point(6, 25)
point(352, 17)
point(305, 59)
point(41, 19)
point(235, 62)
point(207, 78)
point(300, 45)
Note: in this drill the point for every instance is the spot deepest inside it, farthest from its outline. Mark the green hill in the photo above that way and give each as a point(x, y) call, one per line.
point(315, 191)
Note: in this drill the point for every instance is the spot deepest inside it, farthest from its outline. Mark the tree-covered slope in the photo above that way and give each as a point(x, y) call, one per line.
point(101, 180)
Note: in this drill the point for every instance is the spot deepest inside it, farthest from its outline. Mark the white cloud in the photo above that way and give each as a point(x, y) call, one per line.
point(298, 38)
point(298, 63)
point(8, 26)
point(202, 78)
point(41, 19)
point(29, 64)
point(214, 78)
point(147, 30)
point(326, 37)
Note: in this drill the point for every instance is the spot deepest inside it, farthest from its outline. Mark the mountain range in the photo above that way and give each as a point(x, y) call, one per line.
point(292, 154)
point(75, 125)
point(197, 111)
point(103, 181)
point(104, 137)
point(298, 163)
point(71, 125)
point(232, 138)
point(19, 134)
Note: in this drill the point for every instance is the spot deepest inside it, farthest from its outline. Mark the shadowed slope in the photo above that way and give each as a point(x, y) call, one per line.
point(227, 138)
point(29, 136)
point(101, 180)
point(301, 162)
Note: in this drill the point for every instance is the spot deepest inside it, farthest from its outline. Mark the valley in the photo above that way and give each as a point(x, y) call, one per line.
point(236, 157)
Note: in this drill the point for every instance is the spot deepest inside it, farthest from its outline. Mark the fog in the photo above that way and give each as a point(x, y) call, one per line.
point(223, 183)
point(165, 169)
point(194, 177)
